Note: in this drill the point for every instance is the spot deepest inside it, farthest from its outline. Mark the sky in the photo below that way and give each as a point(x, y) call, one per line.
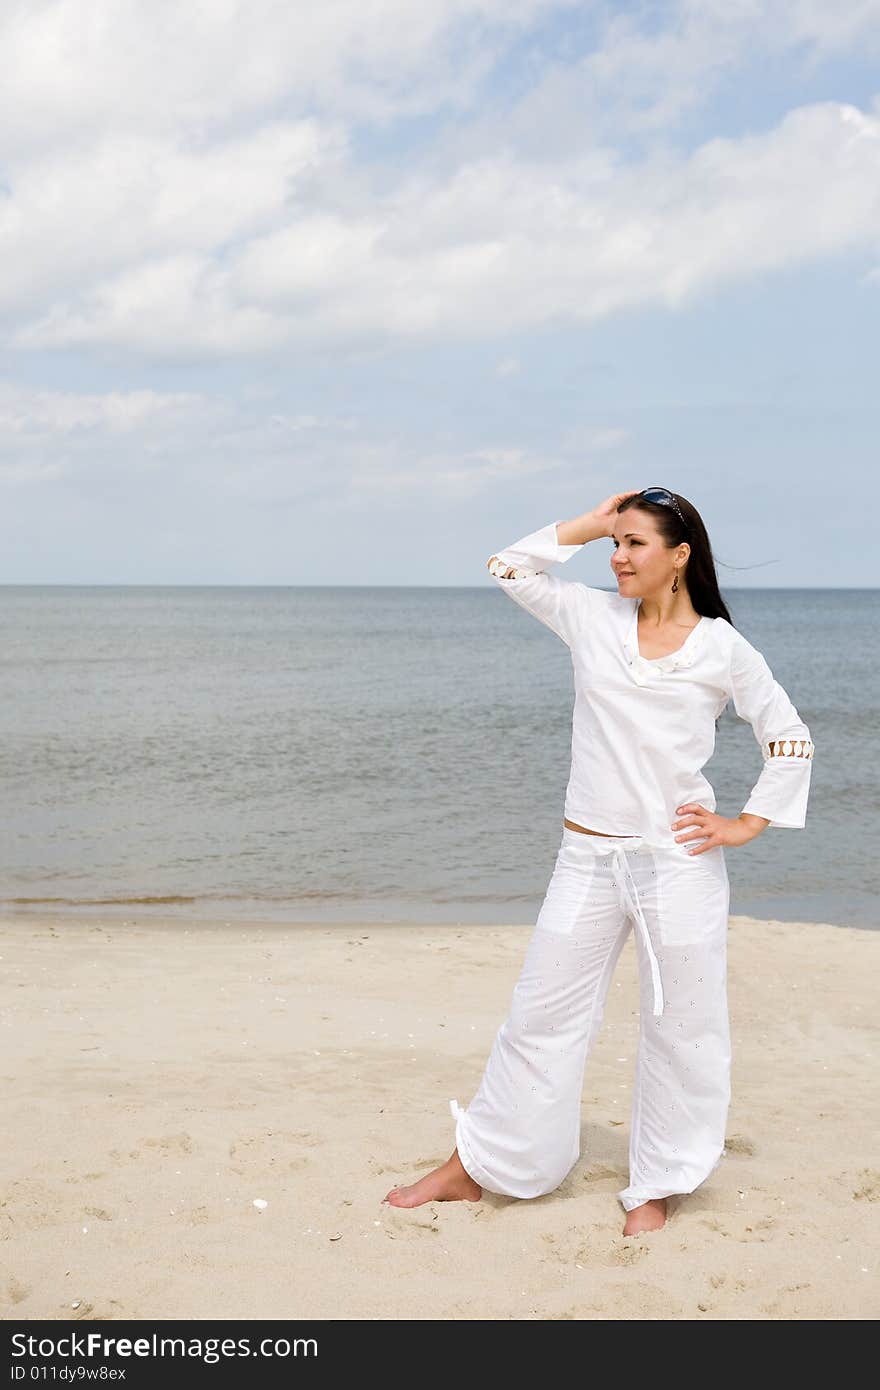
point(362, 292)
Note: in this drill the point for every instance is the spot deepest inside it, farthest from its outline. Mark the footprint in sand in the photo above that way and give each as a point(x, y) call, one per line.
point(276, 1148)
point(739, 1144)
point(590, 1254)
point(868, 1189)
point(170, 1143)
point(17, 1291)
point(597, 1172)
point(99, 1213)
point(721, 1281)
point(173, 1144)
point(639, 1301)
point(626, 1254)
point(111, 1311)
point(785, 1306)
point(760, 1229)
point(418, 1166)
point(411, 1228)
point(199, 1216)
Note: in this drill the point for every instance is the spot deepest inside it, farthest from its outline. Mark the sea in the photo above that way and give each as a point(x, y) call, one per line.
point(374, 754)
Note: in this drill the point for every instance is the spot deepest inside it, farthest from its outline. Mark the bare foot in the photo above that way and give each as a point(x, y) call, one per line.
point(451, 1182)
point(650, 1216)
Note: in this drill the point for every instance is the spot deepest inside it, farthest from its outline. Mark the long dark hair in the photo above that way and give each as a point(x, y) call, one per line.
point(702, 581)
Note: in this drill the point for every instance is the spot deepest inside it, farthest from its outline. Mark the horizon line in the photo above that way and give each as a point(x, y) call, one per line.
point(163, 584)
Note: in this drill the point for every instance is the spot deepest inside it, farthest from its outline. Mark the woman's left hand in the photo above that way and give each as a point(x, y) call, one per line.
point(696, 823)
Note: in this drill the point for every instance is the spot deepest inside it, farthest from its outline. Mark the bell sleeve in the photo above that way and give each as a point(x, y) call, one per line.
point(521, 571)
point(781, 792)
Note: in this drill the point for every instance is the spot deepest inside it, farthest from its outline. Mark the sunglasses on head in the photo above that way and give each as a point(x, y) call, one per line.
point(665, 498)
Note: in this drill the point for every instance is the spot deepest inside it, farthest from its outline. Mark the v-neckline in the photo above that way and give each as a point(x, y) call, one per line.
point(666, 655)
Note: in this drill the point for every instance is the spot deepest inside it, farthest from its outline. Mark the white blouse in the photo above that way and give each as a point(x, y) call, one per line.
point(643, 728)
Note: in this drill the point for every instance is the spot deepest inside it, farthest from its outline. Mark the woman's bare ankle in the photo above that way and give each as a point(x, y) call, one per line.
point(650, 1216)
point(451, 1182)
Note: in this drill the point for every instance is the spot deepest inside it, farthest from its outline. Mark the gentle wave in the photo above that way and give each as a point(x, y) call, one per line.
point(365, 751)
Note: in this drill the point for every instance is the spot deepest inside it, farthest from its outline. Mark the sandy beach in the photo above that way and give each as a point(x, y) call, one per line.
point(161, 1076)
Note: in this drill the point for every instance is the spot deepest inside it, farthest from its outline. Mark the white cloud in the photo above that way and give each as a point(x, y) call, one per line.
point(178, 306)
point(90, 437)
point(646, 77)
point(827, 27)
point(395, 476)
point(185, 180)
point(75, 68)
point(74, 218)
point(503, 245)
point(159, 450)
point(28, 415)
point(508, 366)
point(595, 440)
point(203, 184)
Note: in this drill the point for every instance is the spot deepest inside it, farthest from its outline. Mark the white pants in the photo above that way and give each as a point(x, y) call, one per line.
point(520, 1135)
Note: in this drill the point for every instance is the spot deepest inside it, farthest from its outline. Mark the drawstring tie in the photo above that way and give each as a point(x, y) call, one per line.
point(629, 901)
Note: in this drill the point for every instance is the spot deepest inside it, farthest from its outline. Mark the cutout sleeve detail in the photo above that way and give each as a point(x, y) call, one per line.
point(788, 748)
point(782, 790)
point(520, 570)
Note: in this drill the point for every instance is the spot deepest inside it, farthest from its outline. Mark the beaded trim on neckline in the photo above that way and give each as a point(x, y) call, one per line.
point(643, 666)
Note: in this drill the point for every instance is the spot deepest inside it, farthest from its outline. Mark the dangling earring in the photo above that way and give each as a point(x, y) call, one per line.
point(675, 583)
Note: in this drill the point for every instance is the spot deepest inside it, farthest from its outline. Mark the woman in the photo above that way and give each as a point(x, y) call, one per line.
point(654, 664)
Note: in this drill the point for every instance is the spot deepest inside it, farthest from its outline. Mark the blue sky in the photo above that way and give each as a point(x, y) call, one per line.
point(361, 293)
